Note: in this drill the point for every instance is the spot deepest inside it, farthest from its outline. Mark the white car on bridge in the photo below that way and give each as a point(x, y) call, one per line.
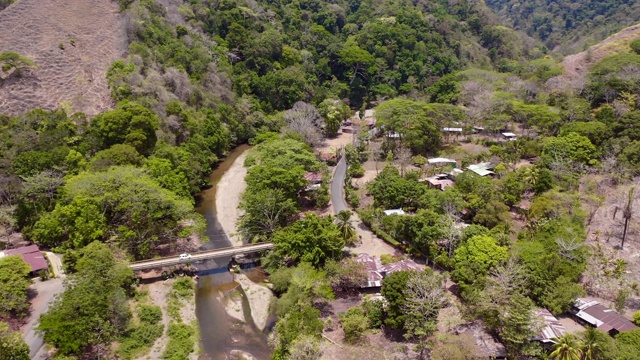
point(184, 256)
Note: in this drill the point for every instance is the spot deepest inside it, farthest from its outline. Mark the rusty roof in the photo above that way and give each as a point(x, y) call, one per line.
point(602, 317)
point(31, 255)
point(551, 326)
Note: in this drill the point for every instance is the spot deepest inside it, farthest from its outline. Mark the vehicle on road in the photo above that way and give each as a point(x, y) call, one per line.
point(185, 256)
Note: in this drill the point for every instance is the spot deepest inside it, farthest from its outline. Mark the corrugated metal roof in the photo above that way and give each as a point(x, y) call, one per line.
point(31, 255)
point(552, 328)
point(602, 317)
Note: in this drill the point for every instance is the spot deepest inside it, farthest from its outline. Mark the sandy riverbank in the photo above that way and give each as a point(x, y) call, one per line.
point(228, 196)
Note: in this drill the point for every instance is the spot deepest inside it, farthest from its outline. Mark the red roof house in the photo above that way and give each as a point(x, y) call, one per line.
point(31, 255)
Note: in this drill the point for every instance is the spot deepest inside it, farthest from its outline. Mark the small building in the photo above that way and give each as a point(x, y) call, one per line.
point(373, 265)
point(330, 159)
point(550, 327)
point(509, 136)
point(441, 162)
point(376, 271)
point(600, 317)
point(481, 169)
point(31, 255)
point(393, 212)
point(402, 265)
point(439, 181)
point(313, 177)
point(478, 129)
point(347, 129)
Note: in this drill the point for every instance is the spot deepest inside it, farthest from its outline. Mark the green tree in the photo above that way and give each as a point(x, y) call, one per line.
point(313, 239)
point(567, 347)
point(117, 155)
point(92, 311)
point(123, 204)
point(595, 344)
point(302, 320)
point(346, 275)
point(418, 131)
point(14, 286)
point(571, 147)
point(474, 260)
point(393, 286)
point(265, 211)
point(345, 226)
point(354, 323)
point(12, 347)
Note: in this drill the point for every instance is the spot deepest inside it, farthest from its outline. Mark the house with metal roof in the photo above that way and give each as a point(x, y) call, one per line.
point(549, 327)
point(31, 255)
point(376, 271)
point(481, 169)
point(601, 317)
point(393, 212)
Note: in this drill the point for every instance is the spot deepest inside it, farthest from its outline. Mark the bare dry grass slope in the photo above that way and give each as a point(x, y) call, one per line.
point(577, 65)
point(73, 43)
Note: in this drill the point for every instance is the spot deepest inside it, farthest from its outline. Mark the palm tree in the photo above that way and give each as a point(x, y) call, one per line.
point(345, 226)
point(567, 347)
point(592, 343)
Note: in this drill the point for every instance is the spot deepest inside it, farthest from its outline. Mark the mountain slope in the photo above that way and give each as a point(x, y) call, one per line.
point(73, 43)
point(568, 26)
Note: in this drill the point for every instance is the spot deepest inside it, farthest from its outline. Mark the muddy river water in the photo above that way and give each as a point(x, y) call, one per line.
point(219, 333)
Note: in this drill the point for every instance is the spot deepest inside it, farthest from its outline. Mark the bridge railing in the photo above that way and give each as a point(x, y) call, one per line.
point(198, 256)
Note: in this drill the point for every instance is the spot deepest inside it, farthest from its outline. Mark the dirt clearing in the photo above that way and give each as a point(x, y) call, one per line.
point(73, 43)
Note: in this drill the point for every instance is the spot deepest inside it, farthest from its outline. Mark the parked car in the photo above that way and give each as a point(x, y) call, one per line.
point(185, 256)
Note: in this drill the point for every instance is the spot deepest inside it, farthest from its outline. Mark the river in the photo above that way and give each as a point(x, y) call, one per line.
point(219, 332)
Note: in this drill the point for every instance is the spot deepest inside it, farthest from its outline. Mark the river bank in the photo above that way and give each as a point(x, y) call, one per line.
point(228, 196)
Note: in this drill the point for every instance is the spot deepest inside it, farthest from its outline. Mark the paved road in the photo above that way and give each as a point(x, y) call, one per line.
point(203, 255)
point(337, 187)
point(46, 292)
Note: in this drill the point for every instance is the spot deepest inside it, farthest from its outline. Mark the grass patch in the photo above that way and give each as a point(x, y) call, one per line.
point(138, 339)
point(182, 338)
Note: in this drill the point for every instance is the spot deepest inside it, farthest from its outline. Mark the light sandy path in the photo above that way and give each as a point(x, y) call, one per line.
point(228, 196)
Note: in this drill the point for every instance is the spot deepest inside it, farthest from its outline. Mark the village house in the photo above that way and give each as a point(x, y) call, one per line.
point(393, 212)
point(602, 318)
point(441, 162)
point(481, 169)
point(31, 255)
point(509, 136)
point(376, 271)
point(439, 181)
point(549, 327)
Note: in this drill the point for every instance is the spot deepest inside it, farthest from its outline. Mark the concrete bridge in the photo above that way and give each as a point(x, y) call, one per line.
point(203, 255)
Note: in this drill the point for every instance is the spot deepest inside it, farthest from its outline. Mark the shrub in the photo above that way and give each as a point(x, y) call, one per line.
point(354, 323)
point(181, 341)
point(356, 170)
point(183, 287)
point(374, 309)
point(635, 46)
point(138, 339)
point(636, 317)
point(149, 314)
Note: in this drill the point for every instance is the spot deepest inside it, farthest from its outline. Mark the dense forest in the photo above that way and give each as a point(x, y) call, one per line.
point(204, 76)
point(568, 26)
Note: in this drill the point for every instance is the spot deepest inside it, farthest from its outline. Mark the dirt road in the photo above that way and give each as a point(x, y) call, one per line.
point(228, 196)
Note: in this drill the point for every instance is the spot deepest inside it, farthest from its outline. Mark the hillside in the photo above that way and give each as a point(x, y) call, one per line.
point(568, 26)
point(577, 66)
point(72, 53)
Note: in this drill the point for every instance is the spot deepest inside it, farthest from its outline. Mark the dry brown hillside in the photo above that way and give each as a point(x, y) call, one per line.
point(73, 43)
point(576, 66)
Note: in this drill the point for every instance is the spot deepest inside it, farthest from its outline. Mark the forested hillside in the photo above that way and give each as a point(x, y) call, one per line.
point(569, 25)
